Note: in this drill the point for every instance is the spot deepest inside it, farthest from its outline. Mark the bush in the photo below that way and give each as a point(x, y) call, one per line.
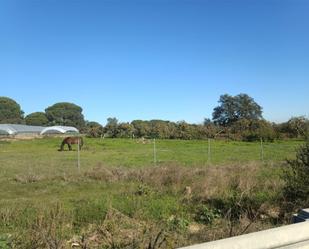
point(93, 129)
point(207, 215)
point(253, 130)
point(296, 189)
point(176, 223)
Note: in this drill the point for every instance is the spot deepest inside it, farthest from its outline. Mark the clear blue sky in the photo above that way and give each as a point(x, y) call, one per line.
point(155, 59)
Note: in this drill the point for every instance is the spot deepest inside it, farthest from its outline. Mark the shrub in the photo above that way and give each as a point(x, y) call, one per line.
point(176, 223)
point(207, 215)
point(296, 189)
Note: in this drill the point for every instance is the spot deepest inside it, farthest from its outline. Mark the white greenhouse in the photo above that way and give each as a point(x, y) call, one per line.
point(15, 130)
point(59, 130)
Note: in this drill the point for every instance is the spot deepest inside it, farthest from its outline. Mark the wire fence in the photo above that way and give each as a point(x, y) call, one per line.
point(42, 155)
point(155, 152)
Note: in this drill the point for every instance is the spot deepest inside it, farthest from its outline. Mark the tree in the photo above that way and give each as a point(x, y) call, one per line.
point(299, 126)
point(207, 121)
point(185, 130)
point(159, 129)
point(93, 129)
point(111, 128)
point(253, 130)
point(125, 130)
point(36, 118)
point(141, 128)
point(296, 127)
point(234, 108)
point(65, 114)
point(209, 129)
point(10, 111)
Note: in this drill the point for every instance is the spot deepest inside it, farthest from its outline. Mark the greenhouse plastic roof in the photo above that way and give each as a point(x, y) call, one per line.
point(13, 129)
point(59, 129)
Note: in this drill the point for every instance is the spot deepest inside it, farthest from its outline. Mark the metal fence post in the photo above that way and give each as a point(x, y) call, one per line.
point(261, 150)
point(78, 155)
point(209, 152)
point(154, 152)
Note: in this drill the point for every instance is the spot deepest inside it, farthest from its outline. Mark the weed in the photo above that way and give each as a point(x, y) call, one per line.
point(207, 215)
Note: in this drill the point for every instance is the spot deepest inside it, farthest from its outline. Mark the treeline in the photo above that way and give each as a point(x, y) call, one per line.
point(244, 129)
point(236, 117)
point(63, 113)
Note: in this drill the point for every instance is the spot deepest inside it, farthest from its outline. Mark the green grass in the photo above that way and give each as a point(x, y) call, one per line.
point(40, 158)
point(41, 155)
point(35, 176)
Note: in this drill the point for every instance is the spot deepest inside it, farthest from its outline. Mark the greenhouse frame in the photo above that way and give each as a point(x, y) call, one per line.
point(13, 130)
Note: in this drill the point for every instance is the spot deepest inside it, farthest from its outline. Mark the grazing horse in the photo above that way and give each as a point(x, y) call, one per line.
point(72, 140)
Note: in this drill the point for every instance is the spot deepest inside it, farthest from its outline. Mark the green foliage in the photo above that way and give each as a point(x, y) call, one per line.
point(125, 130)
point(111, 127)
point(185, 131)
point(234, 108)
point(296, 127)
point(10, 111)
point(65, 113)
point(296, 190)
point(177, 223)
point(141, 128)
point(142, 194)
point(88, 211)
point(238, 202)
point(253, 130)
point(4, 241)
point(143, 190)
point(47, 230)
point(159, 129)
point(93, 129)
point(207, 215)
point(36, 118)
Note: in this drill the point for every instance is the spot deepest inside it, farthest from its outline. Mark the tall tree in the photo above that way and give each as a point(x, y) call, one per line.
point(65, 114)
point(36, 118)
point(299, 126)
point(111, 127)
point(10, 111)
point(234, 108)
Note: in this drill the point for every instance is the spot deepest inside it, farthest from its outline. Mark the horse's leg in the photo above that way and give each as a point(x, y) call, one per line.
point(61, 146)
point(70, 147)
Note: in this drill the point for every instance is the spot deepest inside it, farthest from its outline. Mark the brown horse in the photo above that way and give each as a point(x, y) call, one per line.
point(72, 140)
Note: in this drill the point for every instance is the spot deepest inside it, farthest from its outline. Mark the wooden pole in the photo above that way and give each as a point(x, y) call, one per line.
point(154, 152)
point(261, 150)
point(78, 155)
point(209, 152)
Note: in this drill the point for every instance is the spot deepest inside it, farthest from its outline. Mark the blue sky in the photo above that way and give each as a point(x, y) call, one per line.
point(155, 59)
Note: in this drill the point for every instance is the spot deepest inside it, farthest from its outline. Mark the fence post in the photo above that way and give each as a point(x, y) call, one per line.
point(154, 152)
point(209, 152)
point(78, 154)
point(261, 150)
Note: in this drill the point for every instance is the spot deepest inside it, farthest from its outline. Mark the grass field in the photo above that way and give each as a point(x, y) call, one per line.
point(119, 182)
